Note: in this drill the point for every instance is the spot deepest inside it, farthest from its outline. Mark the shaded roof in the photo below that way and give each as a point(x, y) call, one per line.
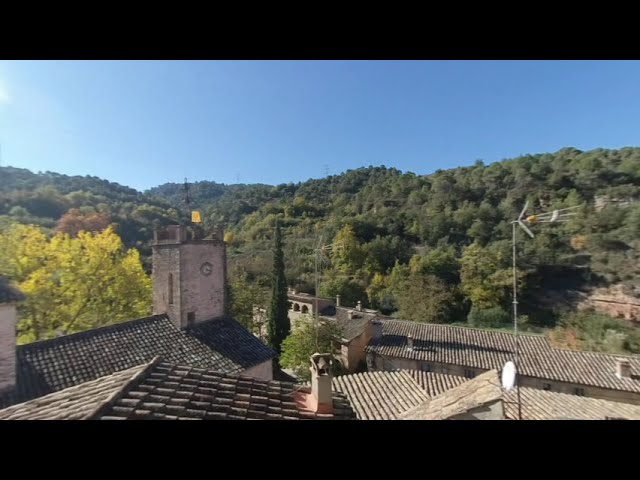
point(164, 391)
point(51, 365)
point(74, 403)
point(9, 294)
point(486, 349)
point(482, 390)
point(380, 395)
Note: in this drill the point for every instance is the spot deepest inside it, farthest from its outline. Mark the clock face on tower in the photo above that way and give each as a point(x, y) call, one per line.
point(206, 268)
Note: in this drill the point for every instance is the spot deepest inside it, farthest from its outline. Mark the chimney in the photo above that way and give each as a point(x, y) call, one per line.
point(337, 300)
point(359, 306)
point(376, 329)
point(321, 378)
point(623, 369)
point(350, 314)
point(9, 297)
point(409, 343)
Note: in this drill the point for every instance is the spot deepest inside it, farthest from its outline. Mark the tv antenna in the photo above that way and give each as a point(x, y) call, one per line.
point(560, 215)
point(322, 255)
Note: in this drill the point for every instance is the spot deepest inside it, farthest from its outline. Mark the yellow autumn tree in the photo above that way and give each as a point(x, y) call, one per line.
point(73, 284)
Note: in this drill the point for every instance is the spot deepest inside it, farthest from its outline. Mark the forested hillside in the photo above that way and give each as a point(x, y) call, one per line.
point(61, 202)
point(431, 248)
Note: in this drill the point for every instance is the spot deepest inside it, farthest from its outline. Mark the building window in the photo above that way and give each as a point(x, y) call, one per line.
point(170, 287)
point(426, 367)
point(191, 318)
point(469, 373)
point(578, 391)
point(546, 386)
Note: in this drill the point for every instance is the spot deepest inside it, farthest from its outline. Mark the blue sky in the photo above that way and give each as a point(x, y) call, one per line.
point(143, 123)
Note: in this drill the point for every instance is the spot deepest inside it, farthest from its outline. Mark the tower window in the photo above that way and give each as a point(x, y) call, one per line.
point(170, 287)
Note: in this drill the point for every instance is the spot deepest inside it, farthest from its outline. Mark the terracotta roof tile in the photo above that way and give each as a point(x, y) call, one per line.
point(142, 393)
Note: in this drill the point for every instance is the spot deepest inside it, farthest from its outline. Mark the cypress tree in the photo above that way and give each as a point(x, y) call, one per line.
point(279, 325)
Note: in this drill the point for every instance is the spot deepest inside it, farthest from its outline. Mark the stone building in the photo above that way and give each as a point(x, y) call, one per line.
point(467, 352)
point(190, 327)
point(304, 304)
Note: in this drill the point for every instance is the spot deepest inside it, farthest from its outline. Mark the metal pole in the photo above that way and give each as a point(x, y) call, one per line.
point(316, 302)
point(515, 319)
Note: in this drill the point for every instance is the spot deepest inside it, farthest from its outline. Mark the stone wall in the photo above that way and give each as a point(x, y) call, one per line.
point(166, 260)
point(8, 320)
point(203, 295)
point(193, 292)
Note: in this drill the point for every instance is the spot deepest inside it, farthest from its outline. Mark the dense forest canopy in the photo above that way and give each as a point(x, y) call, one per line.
point(431, 248)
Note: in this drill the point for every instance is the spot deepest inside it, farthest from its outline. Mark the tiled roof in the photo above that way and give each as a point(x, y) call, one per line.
point(547, 405)
point(74, 403)
point(482, 390)
point(380, 395)
point(485, 349)
point(52, 365)
point(537, 404)
point(163, 391)
point(9, 293)
point(238, 348)
point(436, 383)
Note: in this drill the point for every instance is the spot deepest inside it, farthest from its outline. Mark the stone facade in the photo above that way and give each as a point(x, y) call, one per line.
point(189, 278)
point(352, 354)
point(8, 320)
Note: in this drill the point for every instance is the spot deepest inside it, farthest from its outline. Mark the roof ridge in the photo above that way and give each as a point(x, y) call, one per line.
point(446, 325)
point(115, 396)
point(91, 331)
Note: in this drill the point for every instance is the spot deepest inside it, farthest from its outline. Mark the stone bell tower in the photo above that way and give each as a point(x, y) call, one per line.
point(189, 275)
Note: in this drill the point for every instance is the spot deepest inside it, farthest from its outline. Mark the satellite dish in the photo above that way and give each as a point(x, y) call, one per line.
point(508, 375)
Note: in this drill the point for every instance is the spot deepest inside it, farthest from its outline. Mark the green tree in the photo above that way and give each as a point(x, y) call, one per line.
point(245, 297)
point(484, 280)
point(347, 254)
point(278, 326)
point(421, 297)
point(305, 340)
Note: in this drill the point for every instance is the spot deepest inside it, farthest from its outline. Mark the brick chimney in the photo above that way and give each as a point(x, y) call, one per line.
point(359, 306)
point(9, 298)
point(321, 377)
point(623, 368)
point(337, 300)
point(409, 343)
